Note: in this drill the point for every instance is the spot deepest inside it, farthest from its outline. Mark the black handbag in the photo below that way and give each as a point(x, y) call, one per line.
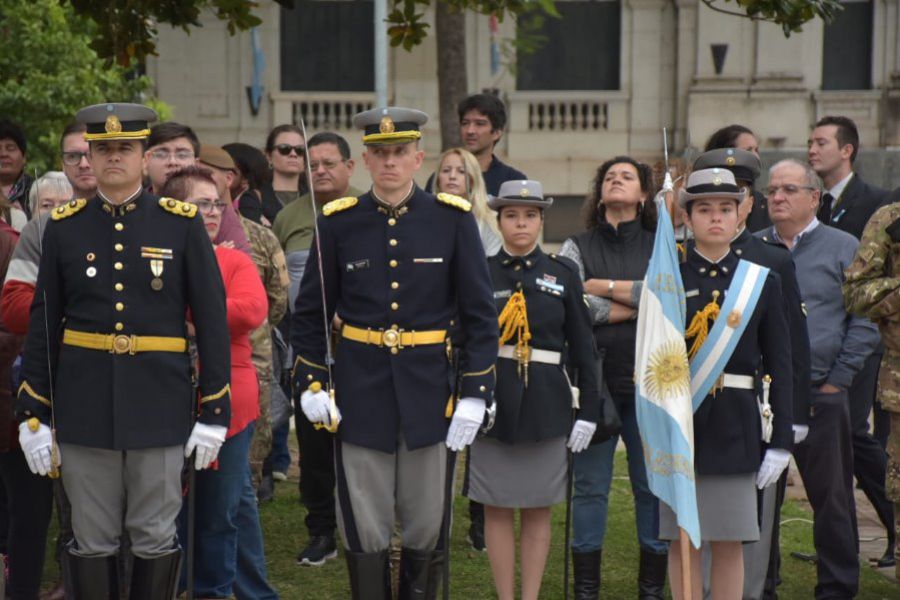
point(610, 424)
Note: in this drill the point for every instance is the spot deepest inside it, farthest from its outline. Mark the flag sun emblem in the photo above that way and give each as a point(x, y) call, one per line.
point(668, 372)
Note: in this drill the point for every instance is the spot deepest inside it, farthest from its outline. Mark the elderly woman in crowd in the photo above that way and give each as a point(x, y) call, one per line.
point(223, 492)
point(458, 173)
point(612, 257)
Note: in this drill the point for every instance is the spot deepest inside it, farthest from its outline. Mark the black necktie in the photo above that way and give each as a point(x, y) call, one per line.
point(825, 209)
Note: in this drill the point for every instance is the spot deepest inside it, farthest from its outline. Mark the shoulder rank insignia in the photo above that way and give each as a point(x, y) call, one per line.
point(455, 201)
point(177, 207)
point(67, 210)
point(336, 206)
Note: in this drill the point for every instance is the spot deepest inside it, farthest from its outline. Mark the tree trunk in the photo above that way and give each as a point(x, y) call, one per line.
point(453, 82)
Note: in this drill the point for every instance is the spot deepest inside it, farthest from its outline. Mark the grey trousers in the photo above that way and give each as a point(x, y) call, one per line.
point(377, 490)
point(140, 488)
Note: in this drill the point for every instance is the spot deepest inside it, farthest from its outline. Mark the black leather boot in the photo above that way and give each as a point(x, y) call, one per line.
point(652, 575)
point(415, 574)
point(155, 578)
point(435, 575)
point(587, 574)
point(370, 575)
point(93, 578)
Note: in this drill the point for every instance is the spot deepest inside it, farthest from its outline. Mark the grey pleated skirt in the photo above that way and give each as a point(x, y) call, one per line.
point(526, 475)
point(727, 507)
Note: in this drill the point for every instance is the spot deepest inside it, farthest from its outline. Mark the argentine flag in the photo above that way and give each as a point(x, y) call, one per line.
point(663, 384)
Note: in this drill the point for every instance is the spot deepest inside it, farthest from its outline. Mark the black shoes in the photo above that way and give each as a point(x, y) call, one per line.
point(319, 549)
point(586, 566)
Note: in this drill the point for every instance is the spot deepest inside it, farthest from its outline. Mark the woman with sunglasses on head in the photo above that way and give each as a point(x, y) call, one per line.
point(521, 463)
point(225, 493)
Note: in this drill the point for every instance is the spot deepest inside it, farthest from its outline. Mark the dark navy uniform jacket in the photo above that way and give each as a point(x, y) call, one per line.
point(415, 266)
point(727, 431)
point(95, 277)
point(778, 258)
point(559, 321)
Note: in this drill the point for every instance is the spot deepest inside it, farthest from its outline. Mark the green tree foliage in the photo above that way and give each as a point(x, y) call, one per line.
point(790, 14)
point(48, 71)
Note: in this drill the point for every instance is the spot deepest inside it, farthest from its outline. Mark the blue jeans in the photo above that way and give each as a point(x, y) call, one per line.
point(218, 493)
point(593, 477)
point(251, 580)
point(281, 456)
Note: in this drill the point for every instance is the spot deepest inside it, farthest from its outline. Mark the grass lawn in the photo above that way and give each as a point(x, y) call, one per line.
point(470, 571)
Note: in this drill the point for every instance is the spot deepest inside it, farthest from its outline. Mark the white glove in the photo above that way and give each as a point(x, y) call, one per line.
point(206, 440)
point(800, 433)
point(317, 407)
point(467, 419)
point(37, 447)
point(580, 438)
point(773, 465)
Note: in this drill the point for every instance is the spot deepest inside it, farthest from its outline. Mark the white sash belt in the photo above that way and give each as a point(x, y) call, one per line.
point(537, 355)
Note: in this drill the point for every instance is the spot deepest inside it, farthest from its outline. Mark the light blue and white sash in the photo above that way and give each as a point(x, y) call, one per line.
point(737, 308)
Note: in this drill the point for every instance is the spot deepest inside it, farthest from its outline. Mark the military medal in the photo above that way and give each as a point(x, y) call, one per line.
point(156, 267)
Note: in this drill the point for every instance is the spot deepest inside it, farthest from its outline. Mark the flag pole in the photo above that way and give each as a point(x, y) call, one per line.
point(685, 543)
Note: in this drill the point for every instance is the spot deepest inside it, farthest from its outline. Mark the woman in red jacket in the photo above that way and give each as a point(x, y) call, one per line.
point(219, 491)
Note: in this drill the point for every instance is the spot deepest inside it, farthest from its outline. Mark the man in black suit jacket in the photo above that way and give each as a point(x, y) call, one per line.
point(847, 204)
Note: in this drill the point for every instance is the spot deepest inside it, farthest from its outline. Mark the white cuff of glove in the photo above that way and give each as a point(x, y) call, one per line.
point(580, 438)
point(800, 433)
point(316, 406)
point(467, 420)
point(206, 440)
point(37, 446)
point(773, 465)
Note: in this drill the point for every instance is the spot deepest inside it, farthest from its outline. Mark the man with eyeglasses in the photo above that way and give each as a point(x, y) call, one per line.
point(171, 146)
point(839, 346)
point(76, 165)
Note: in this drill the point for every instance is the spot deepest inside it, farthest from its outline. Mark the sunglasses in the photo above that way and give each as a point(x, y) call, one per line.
point(285, 149)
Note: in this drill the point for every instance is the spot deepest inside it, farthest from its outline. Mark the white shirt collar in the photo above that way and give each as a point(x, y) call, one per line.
point(126, 201)
point(838, 188)
point(709, 260)
point(812, 225)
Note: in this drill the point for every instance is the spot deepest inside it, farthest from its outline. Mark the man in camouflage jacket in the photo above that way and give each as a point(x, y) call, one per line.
point(872, 290)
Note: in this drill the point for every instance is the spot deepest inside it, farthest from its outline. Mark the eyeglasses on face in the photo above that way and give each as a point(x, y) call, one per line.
point(71, 159)
point(789, 189)
point(285, 149)
point(180, 155)
point(207, 207)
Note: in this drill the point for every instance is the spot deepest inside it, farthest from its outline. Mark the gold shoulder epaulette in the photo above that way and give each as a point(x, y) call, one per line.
point(177, 207)
point(455, 201)
point(67, 210)
point(336, 206)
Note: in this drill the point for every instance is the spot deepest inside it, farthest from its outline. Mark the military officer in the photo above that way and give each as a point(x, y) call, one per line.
point(763, 557)
point(397, 264)
point(736, 317)
point(106, 369)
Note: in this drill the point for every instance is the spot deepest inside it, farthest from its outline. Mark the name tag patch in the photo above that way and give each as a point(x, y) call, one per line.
point(428, 261)
point(357, 265)
point(502, 294)
point(691, 293)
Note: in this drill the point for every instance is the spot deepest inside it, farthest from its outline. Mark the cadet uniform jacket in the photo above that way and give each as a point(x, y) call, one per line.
point(412, 266)
point(559, 321)
point(727, 427)
point(95, 277)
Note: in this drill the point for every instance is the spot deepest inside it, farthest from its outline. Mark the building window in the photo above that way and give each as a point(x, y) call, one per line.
point(564, 220)
point(847, 55)
point(328, 46)
point(580, 51)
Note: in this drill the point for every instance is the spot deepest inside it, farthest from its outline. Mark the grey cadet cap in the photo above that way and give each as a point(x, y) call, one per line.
point(745, 165)
point(116, 121)
point(520, 192)
point(710, 183)
point(390, 125)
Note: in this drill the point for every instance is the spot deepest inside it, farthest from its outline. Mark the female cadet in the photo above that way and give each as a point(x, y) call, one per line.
point(521, 464)
point(736, 301)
